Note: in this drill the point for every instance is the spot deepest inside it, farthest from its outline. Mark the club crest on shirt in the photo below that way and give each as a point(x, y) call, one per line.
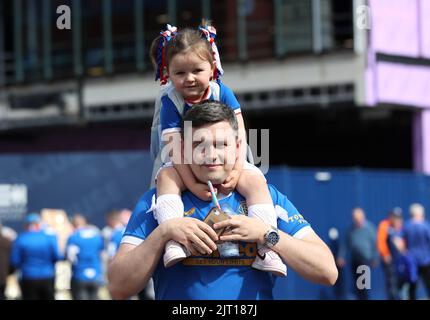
point(189, 212)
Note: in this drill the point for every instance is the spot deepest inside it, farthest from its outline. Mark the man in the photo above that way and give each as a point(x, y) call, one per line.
point(113, 222)
point(84, 249)
point(385, 254)
point(35, 253)
point(360, 241)
point(205, 275)
point(417, 237)
point(117, 232)
point(404, 266)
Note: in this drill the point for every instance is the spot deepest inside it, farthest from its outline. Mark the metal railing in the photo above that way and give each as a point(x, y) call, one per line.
point(257, 29)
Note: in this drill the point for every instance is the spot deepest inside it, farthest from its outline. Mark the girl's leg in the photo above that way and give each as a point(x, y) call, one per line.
point(169, 182)
point(252, 185)
point(169, 206)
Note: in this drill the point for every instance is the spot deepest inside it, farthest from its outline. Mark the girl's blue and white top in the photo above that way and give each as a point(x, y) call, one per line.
point(170, 107)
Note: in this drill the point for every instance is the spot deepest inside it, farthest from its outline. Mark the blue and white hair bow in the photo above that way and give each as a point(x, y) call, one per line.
point(209, 32)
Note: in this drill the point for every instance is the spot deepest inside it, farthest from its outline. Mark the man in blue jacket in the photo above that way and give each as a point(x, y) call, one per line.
point(417, 237)
point(84, 248)
point(35, 253)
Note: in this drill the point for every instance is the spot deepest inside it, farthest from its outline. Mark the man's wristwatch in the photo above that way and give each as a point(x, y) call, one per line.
point(271, 237)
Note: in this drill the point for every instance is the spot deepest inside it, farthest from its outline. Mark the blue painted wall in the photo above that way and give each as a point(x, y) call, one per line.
point(90, 183)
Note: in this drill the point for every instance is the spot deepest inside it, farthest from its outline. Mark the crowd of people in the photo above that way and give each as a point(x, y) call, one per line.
point(402, 248)
point(33, 254)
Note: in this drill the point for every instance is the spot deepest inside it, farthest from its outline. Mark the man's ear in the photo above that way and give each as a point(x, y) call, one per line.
point(238, 146)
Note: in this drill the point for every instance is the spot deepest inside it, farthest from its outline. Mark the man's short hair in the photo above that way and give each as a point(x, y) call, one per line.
point(209, 112)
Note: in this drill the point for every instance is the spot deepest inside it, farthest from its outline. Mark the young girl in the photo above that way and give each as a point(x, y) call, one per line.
point(190, 61)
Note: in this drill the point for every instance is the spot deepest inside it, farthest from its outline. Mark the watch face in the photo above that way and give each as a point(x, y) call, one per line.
point(272, 238)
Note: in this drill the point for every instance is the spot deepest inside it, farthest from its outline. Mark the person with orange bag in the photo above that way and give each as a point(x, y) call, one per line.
point(384, 252)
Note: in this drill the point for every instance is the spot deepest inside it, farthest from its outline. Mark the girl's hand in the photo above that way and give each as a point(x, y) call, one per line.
point(230, 183)
point(201, 191)
point(243, 228)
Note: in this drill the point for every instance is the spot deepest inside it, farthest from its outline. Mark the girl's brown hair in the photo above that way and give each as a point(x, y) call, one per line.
point(186, 40)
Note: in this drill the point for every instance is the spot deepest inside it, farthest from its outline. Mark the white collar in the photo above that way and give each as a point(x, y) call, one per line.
point(222, 196)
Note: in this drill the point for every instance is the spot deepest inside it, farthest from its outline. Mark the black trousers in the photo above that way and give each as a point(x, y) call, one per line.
point(2, 291)
point(38, 289)
point(391, 282)
point(85, 290)
point(423, 273)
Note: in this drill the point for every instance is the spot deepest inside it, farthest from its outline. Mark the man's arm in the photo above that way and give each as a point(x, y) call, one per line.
point(132, 266)
point(308, 256)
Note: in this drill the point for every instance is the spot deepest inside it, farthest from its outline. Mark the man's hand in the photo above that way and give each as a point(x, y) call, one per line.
point(230, 183)
point(194, 234)
point(201, 191)
point(243, 228)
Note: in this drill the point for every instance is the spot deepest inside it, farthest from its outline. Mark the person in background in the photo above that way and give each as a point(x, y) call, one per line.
point(360, 241)
point(35, 253)
point(403, 267)
point(384, 253)
point(5, 248)
point(83, 250)
point(417, 237)
point(113, 222)
point(124, 216)
point(118, 227)
point(8, 232)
